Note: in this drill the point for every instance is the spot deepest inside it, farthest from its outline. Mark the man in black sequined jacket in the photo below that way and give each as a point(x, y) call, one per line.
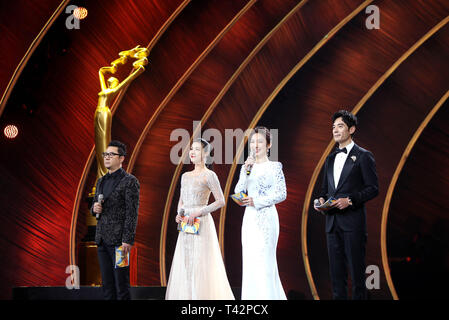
point(117, 220)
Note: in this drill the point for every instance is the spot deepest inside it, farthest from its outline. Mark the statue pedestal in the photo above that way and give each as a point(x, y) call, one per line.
point(90, 274)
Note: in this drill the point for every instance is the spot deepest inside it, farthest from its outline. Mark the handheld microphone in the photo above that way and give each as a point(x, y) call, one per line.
point(101, 200)
point(181, 213)
point(249, 167)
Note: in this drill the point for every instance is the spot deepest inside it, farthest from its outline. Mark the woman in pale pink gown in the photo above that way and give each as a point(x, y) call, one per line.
point(197, 271)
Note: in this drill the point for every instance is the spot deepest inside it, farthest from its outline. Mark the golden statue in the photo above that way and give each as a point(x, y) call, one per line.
point(109, 90)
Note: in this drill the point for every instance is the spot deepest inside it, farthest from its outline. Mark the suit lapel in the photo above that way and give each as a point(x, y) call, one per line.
point(330, 173)
point(349, 164)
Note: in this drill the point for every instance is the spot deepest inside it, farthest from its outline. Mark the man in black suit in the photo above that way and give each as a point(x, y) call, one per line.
point(117, 220)
point(350, 177)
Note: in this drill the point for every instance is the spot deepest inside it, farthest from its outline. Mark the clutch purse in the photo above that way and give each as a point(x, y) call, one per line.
point(193, 229)
point(121, 260)
point(238, 197)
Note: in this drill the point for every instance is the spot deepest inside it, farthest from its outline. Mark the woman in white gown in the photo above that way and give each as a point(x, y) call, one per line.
point(197, 271)
point(264, 182)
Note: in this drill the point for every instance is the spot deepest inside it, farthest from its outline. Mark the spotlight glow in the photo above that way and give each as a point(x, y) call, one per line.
point(11, 131)
point(80, 13)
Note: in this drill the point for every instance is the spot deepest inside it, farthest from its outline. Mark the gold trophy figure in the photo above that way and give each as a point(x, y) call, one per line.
point(109, 90)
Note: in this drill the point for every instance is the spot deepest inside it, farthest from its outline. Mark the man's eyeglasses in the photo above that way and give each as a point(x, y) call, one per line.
point(109, 154)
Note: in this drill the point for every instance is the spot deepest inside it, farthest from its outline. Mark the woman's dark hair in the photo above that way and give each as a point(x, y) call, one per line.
point(263, 131)
point(120, 146)
point(207, 148)
point(348, 118)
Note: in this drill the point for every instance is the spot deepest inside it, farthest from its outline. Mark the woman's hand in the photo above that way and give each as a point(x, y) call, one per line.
point(249, 163)
point(179, 218)
point(192, 216)
point(248, 202)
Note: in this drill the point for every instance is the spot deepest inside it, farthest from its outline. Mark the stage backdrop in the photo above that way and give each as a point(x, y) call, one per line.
point(288, 65)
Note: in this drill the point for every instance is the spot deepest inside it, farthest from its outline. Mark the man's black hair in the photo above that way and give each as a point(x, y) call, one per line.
point(347, 117)
point(120, 146)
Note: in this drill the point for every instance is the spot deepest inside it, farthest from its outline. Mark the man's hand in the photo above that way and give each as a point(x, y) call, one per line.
point(321, 202)
point(126, 248)
point(248, 201)
point(341, 203)
point(97, 208)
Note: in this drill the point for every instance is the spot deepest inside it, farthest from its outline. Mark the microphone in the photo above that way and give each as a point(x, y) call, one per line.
point(101, 200)
point(181, 213)
point(249, 167)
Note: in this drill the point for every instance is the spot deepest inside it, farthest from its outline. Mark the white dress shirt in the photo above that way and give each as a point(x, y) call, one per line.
point(340, 159)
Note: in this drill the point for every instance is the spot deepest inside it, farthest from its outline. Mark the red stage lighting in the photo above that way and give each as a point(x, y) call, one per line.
point(80, 13)
point(11, 131)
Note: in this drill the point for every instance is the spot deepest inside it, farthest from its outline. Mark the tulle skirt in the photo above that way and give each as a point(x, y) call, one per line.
point(197, 271)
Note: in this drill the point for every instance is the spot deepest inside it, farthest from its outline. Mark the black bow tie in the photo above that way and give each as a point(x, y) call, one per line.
point(341, 150)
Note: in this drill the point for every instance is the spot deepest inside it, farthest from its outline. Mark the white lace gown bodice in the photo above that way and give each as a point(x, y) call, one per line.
point(260, 231)
point(197, 271)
